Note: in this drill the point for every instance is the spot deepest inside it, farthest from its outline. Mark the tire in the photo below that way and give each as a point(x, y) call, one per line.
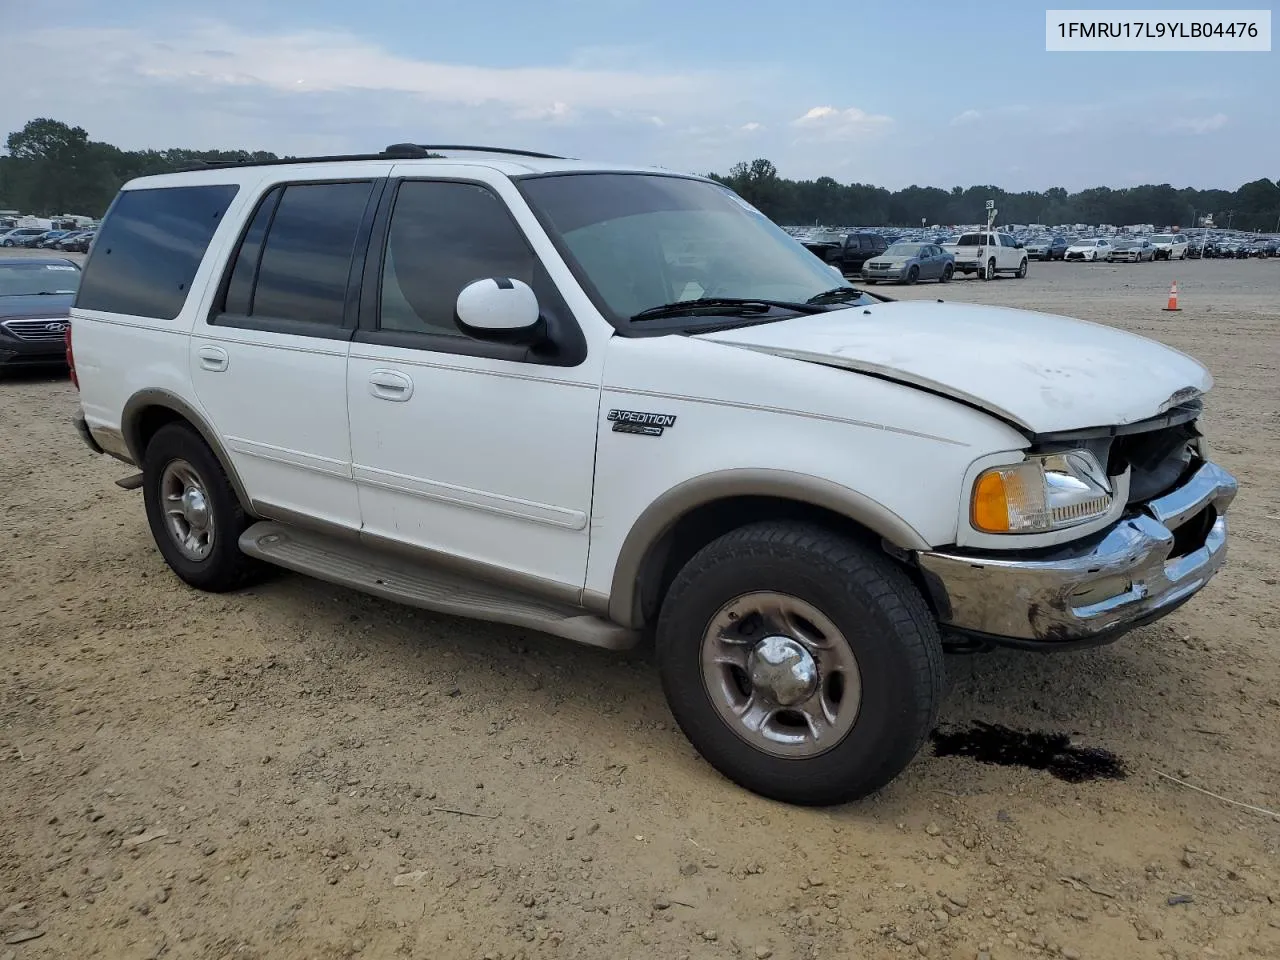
point(913, 275)
point(989, 271)
point(947, 273)
point(176, 455)
point(8, 243)
point(1022, 270)
point(881, 626)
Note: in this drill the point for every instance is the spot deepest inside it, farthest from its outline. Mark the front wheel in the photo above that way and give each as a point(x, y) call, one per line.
point(195, 517)
point(913, 275)
point(947, 273)
point(800, 663)
point(1022, 269)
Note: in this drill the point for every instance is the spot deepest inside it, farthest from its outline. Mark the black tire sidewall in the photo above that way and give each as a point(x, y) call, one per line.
point(225, 567)
point(886, 734)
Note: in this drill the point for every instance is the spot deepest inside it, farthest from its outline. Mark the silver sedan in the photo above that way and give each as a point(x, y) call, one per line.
point(909, 262)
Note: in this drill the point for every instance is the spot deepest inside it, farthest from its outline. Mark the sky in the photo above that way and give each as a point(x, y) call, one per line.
point(889, 93)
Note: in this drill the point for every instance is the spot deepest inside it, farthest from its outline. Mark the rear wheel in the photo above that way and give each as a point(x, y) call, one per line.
point(801, 664)
point(989, 271)
point(195, 517)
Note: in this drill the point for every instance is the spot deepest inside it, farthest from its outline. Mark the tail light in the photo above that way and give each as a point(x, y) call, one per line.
point(71, 357)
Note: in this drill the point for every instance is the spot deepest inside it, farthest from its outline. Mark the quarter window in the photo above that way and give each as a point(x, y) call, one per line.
point(149, 248)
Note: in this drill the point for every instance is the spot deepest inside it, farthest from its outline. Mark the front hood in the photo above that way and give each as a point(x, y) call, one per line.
point(57, 305)
point(1042, 372)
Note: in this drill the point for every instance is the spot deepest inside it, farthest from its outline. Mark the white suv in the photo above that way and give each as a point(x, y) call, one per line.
point(601, 401)
point(1171, 246)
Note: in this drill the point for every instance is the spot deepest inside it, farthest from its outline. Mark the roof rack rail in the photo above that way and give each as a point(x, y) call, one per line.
point(410, 150)
point(396, 151)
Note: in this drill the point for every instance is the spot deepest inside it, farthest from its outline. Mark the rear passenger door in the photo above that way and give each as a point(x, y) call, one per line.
point(269, 360)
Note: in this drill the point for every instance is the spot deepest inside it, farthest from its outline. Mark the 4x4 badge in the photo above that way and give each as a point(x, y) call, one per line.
point(641, 423)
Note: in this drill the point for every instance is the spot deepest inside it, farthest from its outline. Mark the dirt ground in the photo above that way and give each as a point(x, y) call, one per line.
point(300, 771)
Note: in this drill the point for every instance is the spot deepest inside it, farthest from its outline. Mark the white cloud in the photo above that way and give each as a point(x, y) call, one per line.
point(828, 123)
point(211, 55)
point(967, 116)
point(1199, 125)
point(558, 111)
point(751, 127)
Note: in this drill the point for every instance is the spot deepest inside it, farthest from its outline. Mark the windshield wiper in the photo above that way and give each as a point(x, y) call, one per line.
point(722, 307)
point(835, 295)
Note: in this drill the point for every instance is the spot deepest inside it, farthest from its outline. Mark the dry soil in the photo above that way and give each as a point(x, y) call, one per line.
point(300, 771)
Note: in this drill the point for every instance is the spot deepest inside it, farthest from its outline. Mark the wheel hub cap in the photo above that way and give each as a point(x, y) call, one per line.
point(195, 508)
point(783, 671)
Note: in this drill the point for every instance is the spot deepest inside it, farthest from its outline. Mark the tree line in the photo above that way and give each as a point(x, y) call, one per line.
point(1254, 206)
point(50, 167)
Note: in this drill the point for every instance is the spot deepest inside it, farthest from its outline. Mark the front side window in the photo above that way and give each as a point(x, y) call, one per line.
point(149, 248)
point(444, 236)
point(642, 241)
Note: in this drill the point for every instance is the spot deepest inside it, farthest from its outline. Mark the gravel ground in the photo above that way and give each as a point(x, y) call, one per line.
point(300, 771)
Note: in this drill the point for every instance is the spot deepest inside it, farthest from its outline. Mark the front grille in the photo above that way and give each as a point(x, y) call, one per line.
point(43, 329)
point(1157, 459)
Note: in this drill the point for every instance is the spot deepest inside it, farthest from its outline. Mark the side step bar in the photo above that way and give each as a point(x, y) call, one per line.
point(359, 567)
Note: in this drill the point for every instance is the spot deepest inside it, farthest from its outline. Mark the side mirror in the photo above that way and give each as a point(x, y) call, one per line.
point(836, 269)
point(1020, 245)
point(499, 309)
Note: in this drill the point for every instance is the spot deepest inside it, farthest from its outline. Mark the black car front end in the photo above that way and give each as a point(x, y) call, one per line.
point(35, 301)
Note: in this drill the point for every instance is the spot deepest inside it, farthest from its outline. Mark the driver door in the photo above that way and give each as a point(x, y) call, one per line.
point(469, 450)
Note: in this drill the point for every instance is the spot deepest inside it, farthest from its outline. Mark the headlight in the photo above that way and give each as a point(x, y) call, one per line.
point(1043, 493)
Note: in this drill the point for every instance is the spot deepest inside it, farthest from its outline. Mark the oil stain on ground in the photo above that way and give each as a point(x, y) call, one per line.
point(1051, 752)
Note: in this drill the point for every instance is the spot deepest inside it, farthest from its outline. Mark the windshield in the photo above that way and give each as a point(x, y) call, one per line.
point(1085, 243)
point(639, 241)
point(1162, 238)
point(904, 250)
point(36, 279)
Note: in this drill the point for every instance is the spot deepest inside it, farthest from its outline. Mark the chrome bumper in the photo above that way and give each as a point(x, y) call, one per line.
point(1134, 572)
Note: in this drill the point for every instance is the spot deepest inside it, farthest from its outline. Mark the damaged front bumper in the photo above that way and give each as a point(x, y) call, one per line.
point(1092, 591)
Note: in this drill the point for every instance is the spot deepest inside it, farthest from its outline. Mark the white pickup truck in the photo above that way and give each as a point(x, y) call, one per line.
point(606, 403)
point(988, 253)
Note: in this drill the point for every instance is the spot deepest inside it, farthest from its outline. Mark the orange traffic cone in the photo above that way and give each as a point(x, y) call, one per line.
point(1173, 299)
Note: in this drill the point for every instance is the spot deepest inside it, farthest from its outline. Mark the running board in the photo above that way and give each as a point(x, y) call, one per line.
point(355, 565)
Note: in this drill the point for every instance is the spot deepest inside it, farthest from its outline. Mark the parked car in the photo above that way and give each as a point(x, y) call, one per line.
point(988, 254)
point(35, 300)
point(1092, 249)
point(68, 237)
point(1047, 248)
point(1137, 250)
point(49, 238)
point(20, 236)
point(801, 489)
point(823, 244)
point(855, 250)
point(909, 262)
point(79, 243)
point(1171, 246)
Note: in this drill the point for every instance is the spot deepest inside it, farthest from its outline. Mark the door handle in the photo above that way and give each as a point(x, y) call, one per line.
point(390, 385)
point(213, 358)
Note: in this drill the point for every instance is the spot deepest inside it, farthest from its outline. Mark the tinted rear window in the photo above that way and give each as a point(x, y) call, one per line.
point(149, 247)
